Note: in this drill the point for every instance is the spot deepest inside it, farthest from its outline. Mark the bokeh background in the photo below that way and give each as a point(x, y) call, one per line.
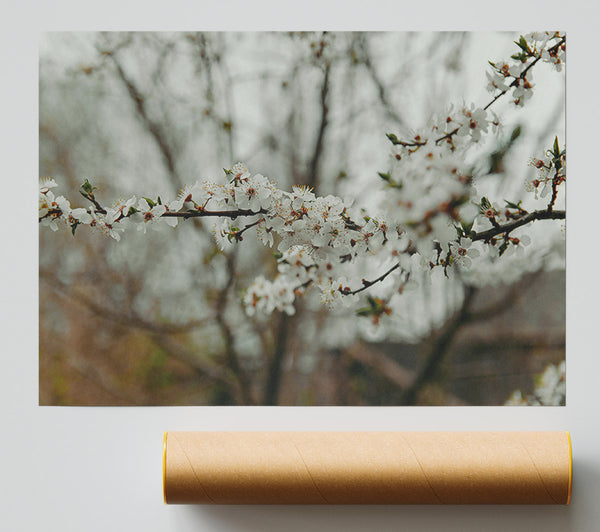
point(157, 319)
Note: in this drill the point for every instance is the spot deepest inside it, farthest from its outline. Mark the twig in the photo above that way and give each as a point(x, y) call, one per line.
point(367, 284)
point(447, 135)
point(556, 180)
point(238, 234)
point(90, 197)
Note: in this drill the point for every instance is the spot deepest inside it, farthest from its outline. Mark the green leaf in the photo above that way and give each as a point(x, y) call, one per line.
point(516, 133)
point(485, 204)
point(87, 187)
point(150, 202)
point(132, 210)
point(393, 139)
point(555, 148)
point(375, 307)
point(512, 205)
point(158, 200)
point(74, 227)
point(461, 201)
point(503, 247)
point(386, 177)
point(522, 43)
point(467, 227)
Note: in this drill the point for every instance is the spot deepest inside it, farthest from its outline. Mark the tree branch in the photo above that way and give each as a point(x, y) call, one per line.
point(231, 356)
point(205, 214)
point(439, 349)
point(507, 228)
point(383, 94)
point(273, 381)
point(390, 369)
point(153, 128)
point(515, 82)
point(313, 177)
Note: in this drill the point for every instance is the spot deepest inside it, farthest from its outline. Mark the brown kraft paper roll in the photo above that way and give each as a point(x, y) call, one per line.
point(367, 467)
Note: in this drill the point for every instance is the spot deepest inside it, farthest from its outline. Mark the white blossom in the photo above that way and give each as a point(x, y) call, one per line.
point(550, 389)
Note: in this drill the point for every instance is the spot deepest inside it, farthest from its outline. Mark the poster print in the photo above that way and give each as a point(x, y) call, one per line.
point(302, 218)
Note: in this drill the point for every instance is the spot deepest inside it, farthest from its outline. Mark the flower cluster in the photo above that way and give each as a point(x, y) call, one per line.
point(55, 211)
point(315, 235)
point(263, 297)
point(548, 47)
point(551, 173)
point(550, 389)
point(431, 185)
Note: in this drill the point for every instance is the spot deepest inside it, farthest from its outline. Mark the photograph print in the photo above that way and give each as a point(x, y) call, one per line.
point(302, 218)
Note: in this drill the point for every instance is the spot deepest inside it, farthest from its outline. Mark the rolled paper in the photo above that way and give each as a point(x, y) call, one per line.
point(367, 467)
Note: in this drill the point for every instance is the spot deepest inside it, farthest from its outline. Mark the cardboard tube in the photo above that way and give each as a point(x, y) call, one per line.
point(367, 467)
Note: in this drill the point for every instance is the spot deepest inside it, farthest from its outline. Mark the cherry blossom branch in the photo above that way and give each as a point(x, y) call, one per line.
point(90, 197)
point(447, 136)
point(556, 181)
point(203, 213)
point(508, 228)
point(368, 284)
point(237, 235)
point(417, 142)
point(554, 195)
point(521, 77)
